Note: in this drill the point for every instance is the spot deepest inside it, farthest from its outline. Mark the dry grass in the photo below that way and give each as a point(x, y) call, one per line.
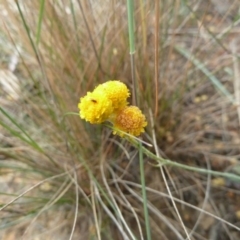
point(81, 182)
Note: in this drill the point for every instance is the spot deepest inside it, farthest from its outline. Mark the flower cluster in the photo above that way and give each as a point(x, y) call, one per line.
point(108, 102)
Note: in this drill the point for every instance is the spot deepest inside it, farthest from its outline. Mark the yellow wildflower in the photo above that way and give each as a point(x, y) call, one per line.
point(130, 120)
point(108, 102)
point(116, 91)
point(95, 107)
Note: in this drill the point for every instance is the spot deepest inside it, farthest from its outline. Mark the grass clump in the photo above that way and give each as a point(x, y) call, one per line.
point(79, 181)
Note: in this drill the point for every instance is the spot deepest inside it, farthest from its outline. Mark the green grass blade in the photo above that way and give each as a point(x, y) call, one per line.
point(74, 17)
point(27, 30)
point(168, 162)
point(130, 11)
point(144, 194)
point(40, 19)
point(15, 133)
point(217, 84)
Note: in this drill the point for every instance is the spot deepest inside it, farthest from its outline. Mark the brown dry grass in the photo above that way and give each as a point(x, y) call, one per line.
point(195, 123)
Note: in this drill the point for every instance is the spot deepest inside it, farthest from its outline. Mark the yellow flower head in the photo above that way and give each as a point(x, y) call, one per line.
point(95, 107)
point(116, 91)
point(130, 120)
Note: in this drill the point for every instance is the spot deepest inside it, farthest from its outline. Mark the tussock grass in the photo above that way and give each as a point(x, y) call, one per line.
point(78, 181)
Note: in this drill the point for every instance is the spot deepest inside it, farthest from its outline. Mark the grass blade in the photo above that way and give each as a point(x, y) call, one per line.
point(202, 67)
point(40, 19)
point(130, 11)
point(144, 194)
point(28, 139)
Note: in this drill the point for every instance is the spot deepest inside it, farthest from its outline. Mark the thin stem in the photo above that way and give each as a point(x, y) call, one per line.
point(40, 19)
point(162, 161)
point(156, 43)
point(90, 35)
point(164, 176)
point(133, 74)
point(144, 194)
point(130, 10)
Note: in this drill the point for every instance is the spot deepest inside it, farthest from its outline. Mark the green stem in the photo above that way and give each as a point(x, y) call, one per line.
point(162, 161)
point(130, 10)
point(144, 195)
point(40, 19)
